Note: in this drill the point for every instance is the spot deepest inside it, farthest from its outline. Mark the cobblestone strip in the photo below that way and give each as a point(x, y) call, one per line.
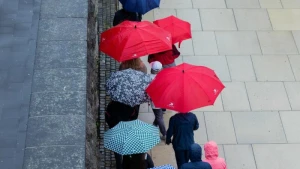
point(107, 10)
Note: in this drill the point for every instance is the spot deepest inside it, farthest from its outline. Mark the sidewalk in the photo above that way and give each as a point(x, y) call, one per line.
point(253, 45)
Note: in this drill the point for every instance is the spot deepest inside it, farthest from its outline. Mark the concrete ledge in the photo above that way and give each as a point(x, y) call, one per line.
point(66, 157)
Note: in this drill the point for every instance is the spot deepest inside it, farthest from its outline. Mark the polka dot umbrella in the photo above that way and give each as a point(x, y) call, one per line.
point(167, 166)
point(131, 137)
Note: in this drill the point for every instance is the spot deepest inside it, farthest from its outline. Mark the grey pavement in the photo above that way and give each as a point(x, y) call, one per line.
point(253, 46)
point(42, 83)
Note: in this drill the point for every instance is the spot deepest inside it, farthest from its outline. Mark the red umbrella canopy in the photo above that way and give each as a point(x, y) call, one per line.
point(185, 87)
point(179, 29)
point(130, 40)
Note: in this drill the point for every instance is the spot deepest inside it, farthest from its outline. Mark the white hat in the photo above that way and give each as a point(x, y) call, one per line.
point(156, 65)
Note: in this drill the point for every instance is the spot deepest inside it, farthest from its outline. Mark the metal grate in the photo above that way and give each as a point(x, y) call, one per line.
point(107, 9)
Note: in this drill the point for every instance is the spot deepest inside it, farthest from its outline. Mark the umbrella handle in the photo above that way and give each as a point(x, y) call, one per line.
point(179, 44)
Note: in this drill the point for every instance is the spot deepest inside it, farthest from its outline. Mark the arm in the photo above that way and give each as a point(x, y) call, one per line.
point(196, 126)
point(170, 131)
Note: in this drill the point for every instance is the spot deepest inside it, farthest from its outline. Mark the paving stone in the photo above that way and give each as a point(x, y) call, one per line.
point(234, 152)
point(176, 4)
point(242, 4)
point(149, 16)
point(10, 112)
point(290, 122)
point(186, 47)
point(218, 106)
point(296, 35)
point(6, 29)
point(163, 13)
point(6, 40)
point(19, 74)
point(200, 135)
point(8, 143)
point(276, 156)
point(205, 43)
point(217, 63)
point(252, 19)
point(61, 54)
point(62, 103)
point(270, 4)
point(147, 117)
point(267, 96)
point(59, 80)
point(63, 8)
point(285, 19)
point(277, 42)
point(7, 153)
point(9, 124)
point(209, 3)
point(235, 97)
point(24, 16)
point(7, 163)
point(272, 68)
point(160, 158)
point(62, 29)
point(51, 157)
point(241, 68)
point(290, 3)
point(295, 63)
point(220, 127)
point(55, 130)
point(217, 19)
point(258, 127)
point(293, 91)
point(237, 43)
point(3, 76)
point(185, 14)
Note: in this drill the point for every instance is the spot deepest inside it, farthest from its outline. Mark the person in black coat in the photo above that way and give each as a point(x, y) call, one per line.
point(181, 128)
point(123, 15)
point(195, 154)
point(137, 161)
point(116, 112)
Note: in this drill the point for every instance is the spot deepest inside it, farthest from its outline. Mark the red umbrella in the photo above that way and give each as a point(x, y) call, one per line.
point(185, 87)
point(179, 29)
point(130, 40)
point(166, 57)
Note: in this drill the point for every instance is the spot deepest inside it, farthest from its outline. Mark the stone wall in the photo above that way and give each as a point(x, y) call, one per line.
point(92, 154)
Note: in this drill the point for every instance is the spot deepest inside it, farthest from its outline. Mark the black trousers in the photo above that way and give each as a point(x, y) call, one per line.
point(182, 156)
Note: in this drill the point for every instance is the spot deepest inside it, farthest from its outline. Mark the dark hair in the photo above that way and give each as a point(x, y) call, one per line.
point(134, 161)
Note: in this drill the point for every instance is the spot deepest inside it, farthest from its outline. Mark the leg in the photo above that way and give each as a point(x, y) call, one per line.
point(179, 155)
point(118, 158)
point(159, 120)
point(186, 156)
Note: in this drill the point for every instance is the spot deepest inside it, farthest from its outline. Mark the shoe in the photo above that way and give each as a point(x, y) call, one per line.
point(163, 138)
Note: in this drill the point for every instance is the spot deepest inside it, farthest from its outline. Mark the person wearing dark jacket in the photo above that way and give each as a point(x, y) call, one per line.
point(123, 15)
point(195, 153)
point(181, 128)
point(138, 161)
point(116, 112)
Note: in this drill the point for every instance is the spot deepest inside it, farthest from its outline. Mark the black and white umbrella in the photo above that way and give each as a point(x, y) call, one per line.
point(128, 87)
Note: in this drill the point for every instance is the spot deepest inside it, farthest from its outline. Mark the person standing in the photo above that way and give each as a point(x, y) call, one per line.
point(167, 58)
point(156, 67)
point(181, 128)
point(116, 112)
point(195, 154)
point(212, 156)
point(123, 15)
